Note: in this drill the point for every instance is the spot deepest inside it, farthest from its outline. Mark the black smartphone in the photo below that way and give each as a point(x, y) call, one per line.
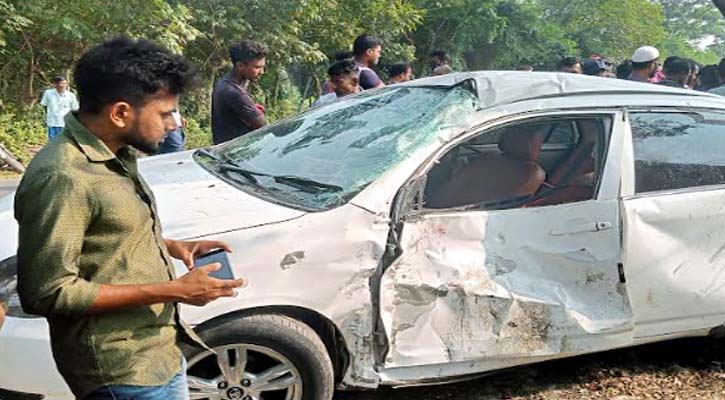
point(216, 256)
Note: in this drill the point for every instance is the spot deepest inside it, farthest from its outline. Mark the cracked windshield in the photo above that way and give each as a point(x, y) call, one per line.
point(321, 159)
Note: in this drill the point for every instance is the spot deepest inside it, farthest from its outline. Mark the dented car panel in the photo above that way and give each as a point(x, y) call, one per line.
point(505, 285)
point(675, 258)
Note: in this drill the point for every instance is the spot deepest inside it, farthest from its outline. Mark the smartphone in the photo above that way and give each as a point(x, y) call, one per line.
point(216, 256)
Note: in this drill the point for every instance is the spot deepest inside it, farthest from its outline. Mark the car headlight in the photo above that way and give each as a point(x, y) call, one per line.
point(9, 289)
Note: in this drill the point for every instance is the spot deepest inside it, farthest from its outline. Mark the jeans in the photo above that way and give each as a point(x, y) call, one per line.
point(175, 389)
point(54, 131)
point(173, 142)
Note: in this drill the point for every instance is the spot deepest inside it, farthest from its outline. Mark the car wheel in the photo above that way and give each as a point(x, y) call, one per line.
point(261, 357)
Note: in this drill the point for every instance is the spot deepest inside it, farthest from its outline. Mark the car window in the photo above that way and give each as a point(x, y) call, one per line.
point(519, 170)
point(322, 158)
point(678, 150)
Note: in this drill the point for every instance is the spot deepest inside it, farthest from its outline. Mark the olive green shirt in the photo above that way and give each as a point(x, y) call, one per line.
point(86, 218)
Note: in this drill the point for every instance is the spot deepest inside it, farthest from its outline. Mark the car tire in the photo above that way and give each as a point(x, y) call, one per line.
point(274, 335)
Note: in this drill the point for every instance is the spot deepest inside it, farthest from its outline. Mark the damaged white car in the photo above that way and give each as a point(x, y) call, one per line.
point(443, 228)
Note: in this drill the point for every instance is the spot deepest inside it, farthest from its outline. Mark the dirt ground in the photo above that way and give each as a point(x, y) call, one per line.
point(691, 369)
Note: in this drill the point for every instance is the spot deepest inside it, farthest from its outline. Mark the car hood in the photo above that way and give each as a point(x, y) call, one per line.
point(192, 202)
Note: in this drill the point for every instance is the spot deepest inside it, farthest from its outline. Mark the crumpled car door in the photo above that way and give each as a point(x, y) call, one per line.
point(481, 290)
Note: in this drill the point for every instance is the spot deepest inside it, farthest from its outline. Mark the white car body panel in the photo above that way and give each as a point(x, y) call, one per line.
point(325, 261)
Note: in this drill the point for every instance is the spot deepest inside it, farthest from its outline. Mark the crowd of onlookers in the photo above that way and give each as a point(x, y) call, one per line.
point(644, 66)
point(234, 112)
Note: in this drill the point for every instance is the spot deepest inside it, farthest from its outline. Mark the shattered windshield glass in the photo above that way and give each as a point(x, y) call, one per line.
point(322, 158)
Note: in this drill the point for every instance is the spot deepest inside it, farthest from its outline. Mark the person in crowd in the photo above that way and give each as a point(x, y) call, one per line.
point(345, 78)
point(440, 61)
point(572, 65)
point(233, 111)
point(720, 89)
point(677, 72)
point(91, 257)
point(694, 80)
point(644, 64)
point(341, 56)
point(366, 50)
point(660, 76)
point(176, 139)
point(525, 68)
point(624, 69)
point(443, 70)
point(708, 78)
point(594, 67)
point(58, 101)
point(399, 73)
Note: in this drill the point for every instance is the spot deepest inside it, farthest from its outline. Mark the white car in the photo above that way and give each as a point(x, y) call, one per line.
point(442, 228)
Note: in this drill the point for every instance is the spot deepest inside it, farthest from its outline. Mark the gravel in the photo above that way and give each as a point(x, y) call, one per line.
point(691, 369)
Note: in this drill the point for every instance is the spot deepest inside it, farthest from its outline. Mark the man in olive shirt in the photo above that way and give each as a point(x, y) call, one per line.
point(91, 257)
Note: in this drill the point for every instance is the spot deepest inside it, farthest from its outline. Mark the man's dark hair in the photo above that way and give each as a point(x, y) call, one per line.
point(668, 60)
point(122, 69)
point(246, 51)
point(709, 78)
point(58, 79)
point(363, 43)
point(638, 66)
point(624, 69)
point(345, 67)
point(398, 69)
point(721, 70)
point(678, 67)
point(569, 62)
point(441, 54)
point(343, 55)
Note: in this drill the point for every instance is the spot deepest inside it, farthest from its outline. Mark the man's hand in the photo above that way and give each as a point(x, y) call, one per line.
point(187, 251)
point(198, 288)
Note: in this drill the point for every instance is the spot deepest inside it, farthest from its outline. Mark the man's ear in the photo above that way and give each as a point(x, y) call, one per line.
point(120, 114)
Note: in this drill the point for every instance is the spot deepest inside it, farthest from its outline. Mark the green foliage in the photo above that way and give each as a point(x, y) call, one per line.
point(42, 38)
point(19, 133)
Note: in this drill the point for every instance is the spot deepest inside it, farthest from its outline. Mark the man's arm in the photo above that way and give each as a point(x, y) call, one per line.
point(196, 288)
point(243, 108)
point(44, 99)
point(53, 212)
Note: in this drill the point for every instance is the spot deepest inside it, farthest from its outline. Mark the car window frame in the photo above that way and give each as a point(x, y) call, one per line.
point(631, 163)
point(404, 206)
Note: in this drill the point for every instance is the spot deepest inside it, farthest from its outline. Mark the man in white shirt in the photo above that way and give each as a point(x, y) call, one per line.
point(58, 101)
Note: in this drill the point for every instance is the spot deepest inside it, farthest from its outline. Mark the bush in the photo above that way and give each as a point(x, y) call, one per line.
point(20, 132)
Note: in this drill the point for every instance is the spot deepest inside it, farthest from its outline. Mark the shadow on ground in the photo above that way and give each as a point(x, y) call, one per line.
point(688, 365)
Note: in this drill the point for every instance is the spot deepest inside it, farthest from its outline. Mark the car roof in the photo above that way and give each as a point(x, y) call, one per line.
point(497, 88)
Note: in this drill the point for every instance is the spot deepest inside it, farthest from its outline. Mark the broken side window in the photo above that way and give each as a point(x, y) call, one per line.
point(678, 150)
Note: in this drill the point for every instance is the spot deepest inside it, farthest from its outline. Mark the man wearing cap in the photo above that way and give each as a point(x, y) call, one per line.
point(644, 64)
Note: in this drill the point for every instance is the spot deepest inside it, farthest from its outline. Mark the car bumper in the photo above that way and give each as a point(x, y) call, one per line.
point(26, 361)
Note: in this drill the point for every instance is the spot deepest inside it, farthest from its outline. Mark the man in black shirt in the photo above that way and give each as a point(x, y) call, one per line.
point(233, 112)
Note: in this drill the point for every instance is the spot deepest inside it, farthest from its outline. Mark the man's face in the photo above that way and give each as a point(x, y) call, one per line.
point(252, 70)
point(573, 69)
point(151, 122)
point(344, 84)
point(374, 55)
point(435, 62)
point(407, 75)
point(61, 86)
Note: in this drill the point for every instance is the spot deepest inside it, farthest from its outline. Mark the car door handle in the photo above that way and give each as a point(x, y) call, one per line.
point(582, 228)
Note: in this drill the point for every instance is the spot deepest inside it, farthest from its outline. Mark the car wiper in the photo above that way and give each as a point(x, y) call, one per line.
point(305, 184)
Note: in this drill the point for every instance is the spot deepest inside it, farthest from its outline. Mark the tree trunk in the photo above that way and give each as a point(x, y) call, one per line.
point(720, 4)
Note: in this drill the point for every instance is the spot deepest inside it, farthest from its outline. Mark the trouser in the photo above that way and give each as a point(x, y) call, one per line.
point(175, 389)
